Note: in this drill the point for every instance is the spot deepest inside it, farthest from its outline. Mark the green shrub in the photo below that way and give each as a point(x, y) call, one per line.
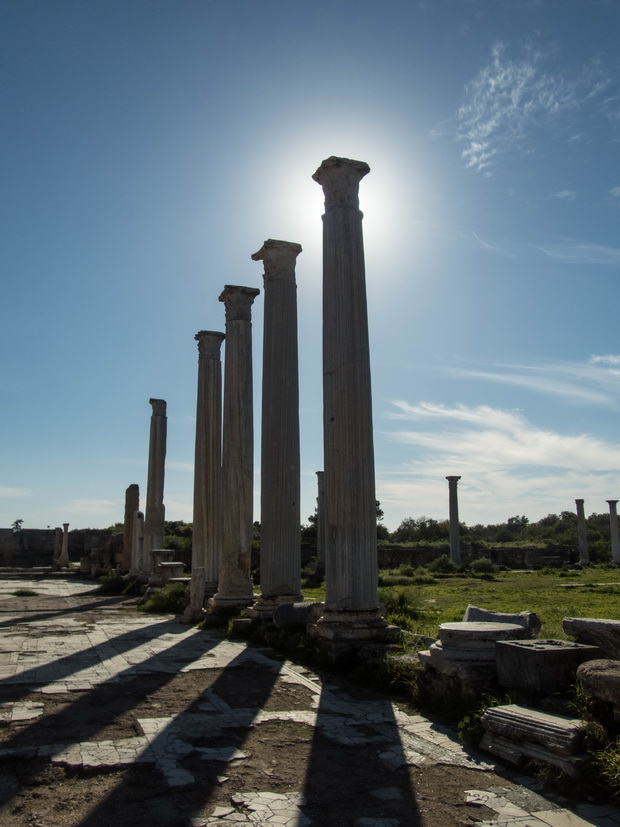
point(111, 583)
point(470, 726)
point(402, 605)
point(169, 599)
point(482, 566)
point(442, 565)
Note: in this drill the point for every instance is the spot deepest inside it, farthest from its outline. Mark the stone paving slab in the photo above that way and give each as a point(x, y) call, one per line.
point(107, 648)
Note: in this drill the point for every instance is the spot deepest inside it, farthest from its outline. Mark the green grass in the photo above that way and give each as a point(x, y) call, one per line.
point(553, 594)
point(24, 593)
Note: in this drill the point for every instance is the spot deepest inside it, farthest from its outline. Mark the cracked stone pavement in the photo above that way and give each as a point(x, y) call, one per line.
point(59, 652)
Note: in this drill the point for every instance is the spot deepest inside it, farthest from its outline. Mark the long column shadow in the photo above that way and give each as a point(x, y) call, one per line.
point(103, 602)
point(70, 665)
point(82, 719)
point(199, 727)
point(346, 779)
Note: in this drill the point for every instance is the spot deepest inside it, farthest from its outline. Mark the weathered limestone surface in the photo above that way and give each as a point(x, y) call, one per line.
point(615, 533)
point(139, 567)
point(601, 678)
point(540, 666)
point(515, 732)
point(280, 561)
point(455, 539)
point(582, 534)
point(289, 615)
point(132, 504)
point(155, 511)
point(529, 620)
point(350, 504)
point(597, 631)
point(235, 584)
point(207, 525)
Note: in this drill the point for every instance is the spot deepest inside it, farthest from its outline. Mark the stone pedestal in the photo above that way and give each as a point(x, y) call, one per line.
point(132, 504)
point(615, 535)
point(540, 667)
point(207, 526)
point(235, 588)
point(63, 559)
point(582, 534)
point(155, 512)
point(455, 534)
point(351, 572)
point(280, 549)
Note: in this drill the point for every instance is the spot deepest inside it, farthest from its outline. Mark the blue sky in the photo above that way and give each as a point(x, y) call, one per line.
point(151, 146)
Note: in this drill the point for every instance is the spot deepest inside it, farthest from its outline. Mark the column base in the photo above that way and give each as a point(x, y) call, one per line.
point(228, 604)
point(341, 634)
point(265, 607)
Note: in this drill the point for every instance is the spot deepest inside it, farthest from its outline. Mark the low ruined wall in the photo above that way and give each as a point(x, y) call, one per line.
point(32, 547)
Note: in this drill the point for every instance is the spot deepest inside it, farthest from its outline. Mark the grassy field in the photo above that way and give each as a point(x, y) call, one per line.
point(552, 594)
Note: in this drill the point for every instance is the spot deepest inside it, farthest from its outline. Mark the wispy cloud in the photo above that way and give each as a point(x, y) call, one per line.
point(7, 491)
point(564, 195)
point(573, 251)
point(592, 382)
point(615, 191)
point(512, 97)
point(508, 465)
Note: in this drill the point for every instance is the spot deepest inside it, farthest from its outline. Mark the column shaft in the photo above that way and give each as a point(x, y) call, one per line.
point(63, 560)
point(155, 511)
point(615, 535)
point(582, 534)
point(455, 539)
point(207, 526)
point(235, 583)
point(132, 503)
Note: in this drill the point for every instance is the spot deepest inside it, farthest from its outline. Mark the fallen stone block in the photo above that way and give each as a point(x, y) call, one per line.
point(598, 631)
point(529, 620)
point(516, 753)
point(601, 678)
point(540, 666)
point(556, 733)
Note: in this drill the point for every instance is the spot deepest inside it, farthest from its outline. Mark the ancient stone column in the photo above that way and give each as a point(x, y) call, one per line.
point(63, 560)
point(615, 534)
point(207, 526)
point(57, 544)
point(455, 540)
point(351, 573)
point(582, 534)
point(132, 503)
point(155, 512)
point(320, 523)
point(235, 583)
point(280, 547)
point(140, 568)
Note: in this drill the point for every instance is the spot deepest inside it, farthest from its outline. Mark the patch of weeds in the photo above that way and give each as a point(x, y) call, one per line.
point(606, 767)
point(482, 566)
point(112, 583)
point(132, 586)
point(470, 725)
point(402, 605)
point(169, 599)
point(25, 593)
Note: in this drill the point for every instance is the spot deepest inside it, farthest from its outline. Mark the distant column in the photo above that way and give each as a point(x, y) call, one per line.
point(140, 567)
point(582, 534)
point(63, 560)
point(132, 503)
point(155, 511)
point(207, 527)
point(455, 539)
point(320, 523)
point(615, 535)
point(351, 573)
point(235, 583)
point(57, 544)
point(280, 547)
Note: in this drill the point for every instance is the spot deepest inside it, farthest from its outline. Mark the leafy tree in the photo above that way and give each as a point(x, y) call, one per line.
point(17, 525)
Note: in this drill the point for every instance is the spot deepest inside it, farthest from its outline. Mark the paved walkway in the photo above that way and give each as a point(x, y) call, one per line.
point(68, 651)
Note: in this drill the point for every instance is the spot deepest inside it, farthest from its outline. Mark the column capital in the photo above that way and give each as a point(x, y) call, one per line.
point(579, 503)
point(453, 480)
point(279, 259)
point(159, 406)
point(340, 178)
point(209, 343)
point(65, 526)
point(238, 302)
point(611, 502)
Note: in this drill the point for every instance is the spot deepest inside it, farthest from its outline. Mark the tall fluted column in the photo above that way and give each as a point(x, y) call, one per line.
point(582, 534)
point(235, 582)
point(320, 524)
point(351, 571)
point(280, 547)
point(132, 503)
point(615, 535)
point(455, 539)
point(155, 512)
point(207, 532)
point(63, 560)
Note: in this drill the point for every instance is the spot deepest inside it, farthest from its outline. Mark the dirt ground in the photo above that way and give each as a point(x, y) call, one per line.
point(342, 784)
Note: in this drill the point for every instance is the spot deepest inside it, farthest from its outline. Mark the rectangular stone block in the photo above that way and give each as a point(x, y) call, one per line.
point(519, 724)
point(540, 666)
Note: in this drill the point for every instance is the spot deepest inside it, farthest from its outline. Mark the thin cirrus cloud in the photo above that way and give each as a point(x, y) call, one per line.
point(511, 97)
point(573, 251)
point(564, 195)
point(593, 382)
